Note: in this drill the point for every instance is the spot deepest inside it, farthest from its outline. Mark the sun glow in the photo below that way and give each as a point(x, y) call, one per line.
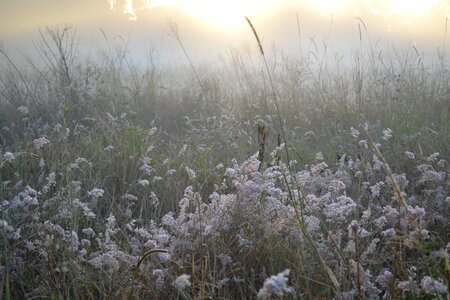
point(416, 7)
point(218, 13)
point(412, 8)
point(225, 13)
point(330, 4)
point(230, 13)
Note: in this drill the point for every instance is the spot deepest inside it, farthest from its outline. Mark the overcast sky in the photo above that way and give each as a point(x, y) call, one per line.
point(206, 33)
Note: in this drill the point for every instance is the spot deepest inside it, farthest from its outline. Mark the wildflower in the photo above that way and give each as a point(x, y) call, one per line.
point(243, 242)
point(59, 230)
point(349, 295)
point(40, 142)
point(16, 234)
point(51, 181)
point(441, 163)
point(152, 131)
point(377, 163)
point(363, 144)
point(157, 178)
point(129, 197)
point(223, 281)
point(425, 234)
point(313, 224)
point(23, 110)
point(160, 276)
point(110, 222)
point(276, 286)
point(191, 173)
point(57, 128)
point(380, 222)
point(276, 192)
point(433, 157)
point(389, 232)
point(410, 155)
point(143, 182)
point(431, 285)
point(238, 279)
point(229, 172)
point(182, 281)
point(76, 185)
point(171, 172)
point(350, 248)
point(387, 134)
point(29, 246)
point(354, 132)
point(8, 156)
point(317, 169)
point(431, 175)
point(146, 168)
point(406, 285)
point(225, 259)
point(375, 189)
point(96, 193)
point(110, 118)
point(75, 241)
point(106, 261)
point(353, 228)
point(88, 231)
point(341, 209)
point(154, 199)
point(336, 186)
point(319, 156)
point(163, 257)
point(416, 212)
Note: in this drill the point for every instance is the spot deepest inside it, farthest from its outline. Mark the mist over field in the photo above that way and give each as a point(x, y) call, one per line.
point(193, 149)
point(211, 31)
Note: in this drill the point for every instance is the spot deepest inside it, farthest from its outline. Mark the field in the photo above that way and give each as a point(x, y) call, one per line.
point(262, 176)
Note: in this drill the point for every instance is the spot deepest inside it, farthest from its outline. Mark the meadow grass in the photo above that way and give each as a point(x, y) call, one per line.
point(119, 181)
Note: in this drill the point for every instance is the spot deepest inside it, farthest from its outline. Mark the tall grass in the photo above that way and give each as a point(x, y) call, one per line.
point(103, 163)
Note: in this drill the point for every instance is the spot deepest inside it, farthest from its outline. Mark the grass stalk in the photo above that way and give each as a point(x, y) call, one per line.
point(401, 200)
point(174, 31)
point(299, 213)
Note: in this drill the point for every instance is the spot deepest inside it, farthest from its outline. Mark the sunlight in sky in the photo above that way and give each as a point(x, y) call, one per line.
point(226, 13)
point(214, 25)
point(229, 13)
point(329, 4)
point(218, 13)
point(417, 8)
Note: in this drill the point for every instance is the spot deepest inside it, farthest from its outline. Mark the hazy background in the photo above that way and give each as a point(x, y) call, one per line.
point(143, 25)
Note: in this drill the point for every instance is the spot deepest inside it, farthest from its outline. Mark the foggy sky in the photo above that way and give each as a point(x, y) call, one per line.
point(20, 21)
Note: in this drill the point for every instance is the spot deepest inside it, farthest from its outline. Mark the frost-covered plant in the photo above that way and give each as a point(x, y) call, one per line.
point(276, 285)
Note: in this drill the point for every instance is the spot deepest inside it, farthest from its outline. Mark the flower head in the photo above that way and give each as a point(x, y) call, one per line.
point(8, 156)
point(431, 285)
point(182, 281)
point(23, 110)
point(96, 193)
point(276, 285)
point(40, 142)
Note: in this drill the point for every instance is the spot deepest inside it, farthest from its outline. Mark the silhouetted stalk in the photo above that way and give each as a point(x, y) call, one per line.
point(280, 120)
point(298, 210)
